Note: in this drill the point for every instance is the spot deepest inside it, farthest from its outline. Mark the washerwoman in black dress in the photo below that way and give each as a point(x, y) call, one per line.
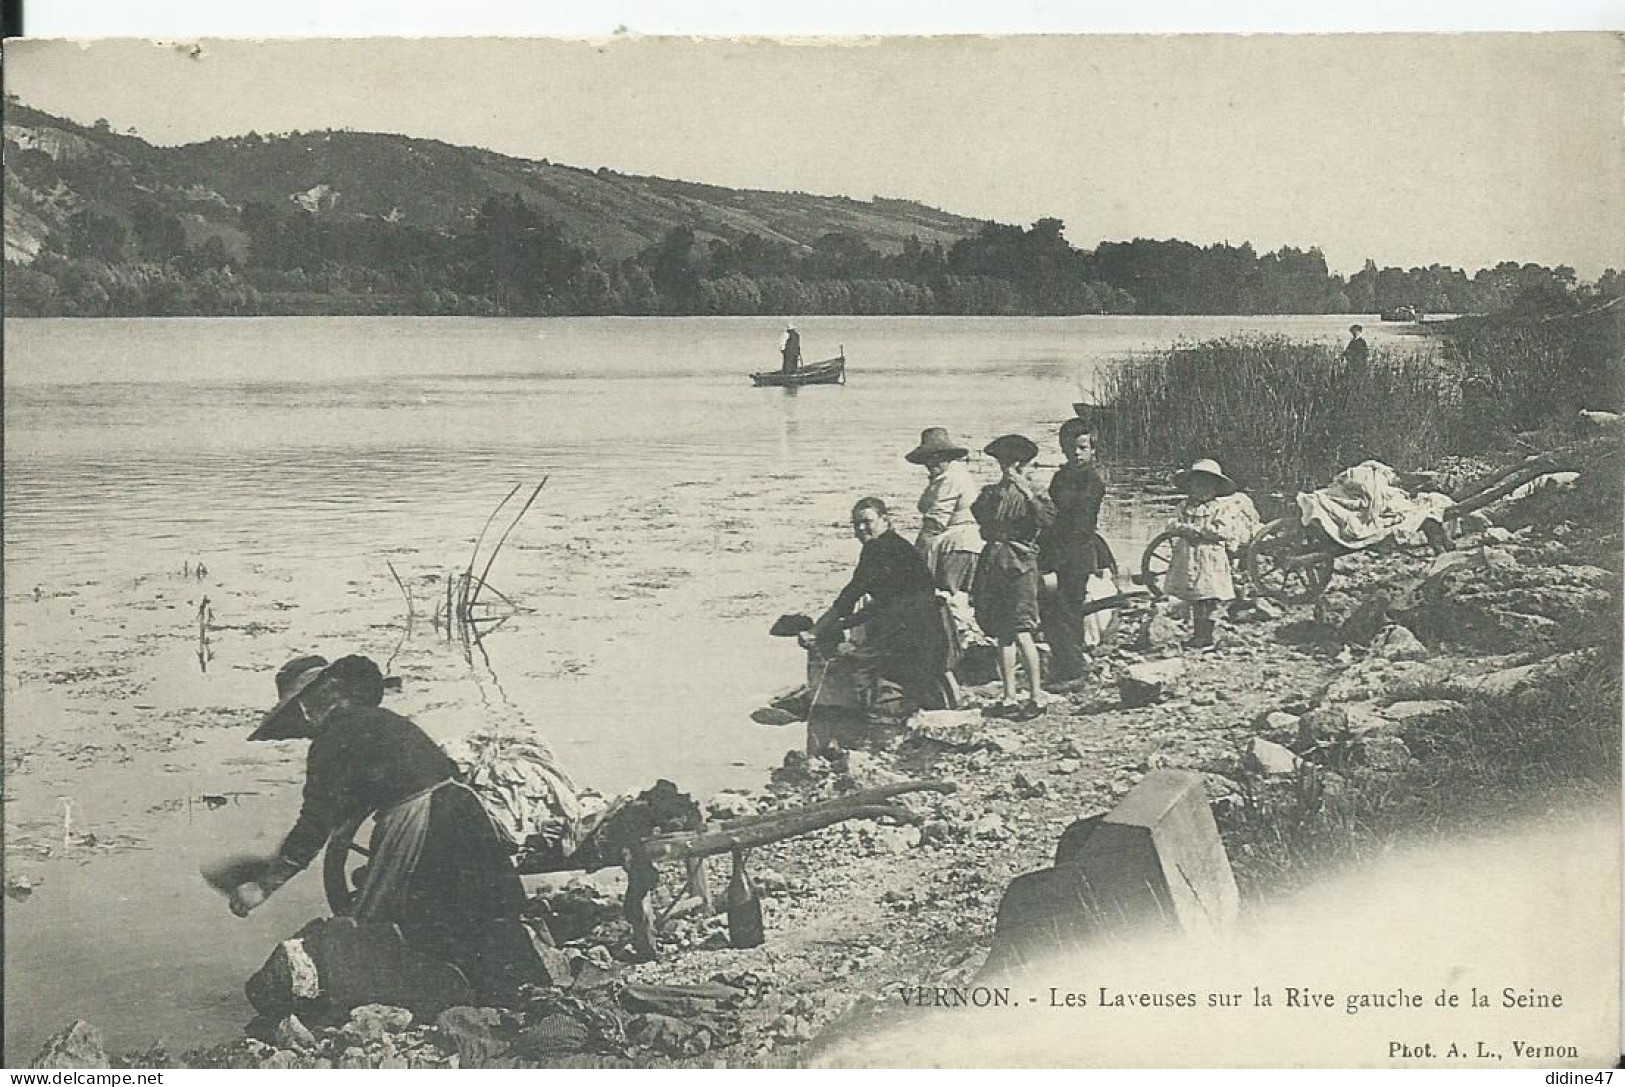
point(438, 868)
point(902, 623)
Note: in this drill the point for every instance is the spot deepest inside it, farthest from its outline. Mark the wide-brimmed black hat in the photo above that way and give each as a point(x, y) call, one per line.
point(297, 676)
point(935, 444)
point(1012, 449)
point(788, 626)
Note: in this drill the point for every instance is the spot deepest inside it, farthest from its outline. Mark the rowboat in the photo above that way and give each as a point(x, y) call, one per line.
point(828, 372)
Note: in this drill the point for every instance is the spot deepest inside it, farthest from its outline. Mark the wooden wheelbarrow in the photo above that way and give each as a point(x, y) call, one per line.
point(692, 847)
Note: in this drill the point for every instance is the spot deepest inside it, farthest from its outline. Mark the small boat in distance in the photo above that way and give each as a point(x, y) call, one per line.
point(828, 372)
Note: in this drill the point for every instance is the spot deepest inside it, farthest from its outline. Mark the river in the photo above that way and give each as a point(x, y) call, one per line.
point(298, 459)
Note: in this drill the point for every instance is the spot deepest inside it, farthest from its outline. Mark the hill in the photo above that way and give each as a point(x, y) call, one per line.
point(101, 223)
point(56, 168)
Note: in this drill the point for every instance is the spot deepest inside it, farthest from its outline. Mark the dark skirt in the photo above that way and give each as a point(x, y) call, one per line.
point(1006, 596)
point(912, 643)
point(464, 877)
point(956, 572)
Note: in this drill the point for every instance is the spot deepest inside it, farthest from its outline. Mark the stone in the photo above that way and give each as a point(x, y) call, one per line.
point(1268, 608)
point(1496, 534)
point(1511, 680)
point(1366, 621)
point(1322, 723)
point(770, 882)
point(1204, 698)
point(866, 770)
point(1028, 789)
point(288, 978)
point(990, 825)
point(1159, 634)
point(669, 1036)
point(353, 1057)
point(371, 1023)
point(291, 1033)
point(475, 1034)
point(283, 1058)
point(1151, 682)
point(1070, 847)
point(898, 839)
point(1381, 752)
point(78, 1045)
point(1154, 862)
point(1420, 709)
point(1396, 643)
point(1365, 719)
point(1070, 749)
point(1279, 723)
point(731, 804)
point(1219, 787)
point(1068, 766)
point(335, 964)
point(1268, 758)
point(1499, 558)
point(955, 729)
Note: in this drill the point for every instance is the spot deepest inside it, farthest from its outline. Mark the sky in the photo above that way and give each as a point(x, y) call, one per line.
point(1462, 149)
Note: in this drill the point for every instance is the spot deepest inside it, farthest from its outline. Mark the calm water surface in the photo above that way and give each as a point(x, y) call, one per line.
point(296, 457)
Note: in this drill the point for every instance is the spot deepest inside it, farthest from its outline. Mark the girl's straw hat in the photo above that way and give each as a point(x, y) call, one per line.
point(1209, 468)
point(935, 444)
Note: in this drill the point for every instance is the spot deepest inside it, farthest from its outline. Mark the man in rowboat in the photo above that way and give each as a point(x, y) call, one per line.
point(791, 351)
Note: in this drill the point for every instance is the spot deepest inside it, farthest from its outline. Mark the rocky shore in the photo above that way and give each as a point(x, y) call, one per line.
point(1448, 686)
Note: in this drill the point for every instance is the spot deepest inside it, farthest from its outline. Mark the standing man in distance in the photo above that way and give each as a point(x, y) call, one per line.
point(791, 351)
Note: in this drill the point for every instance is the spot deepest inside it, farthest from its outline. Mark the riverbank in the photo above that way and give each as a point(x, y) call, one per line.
point(1417, 700)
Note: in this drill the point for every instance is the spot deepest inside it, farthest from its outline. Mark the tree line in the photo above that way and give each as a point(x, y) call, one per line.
point(509, 259)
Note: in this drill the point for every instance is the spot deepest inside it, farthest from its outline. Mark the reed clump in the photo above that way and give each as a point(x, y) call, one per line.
point(1526, 371)
point(1277, 412)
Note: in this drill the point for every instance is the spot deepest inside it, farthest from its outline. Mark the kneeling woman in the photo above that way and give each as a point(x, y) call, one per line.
point(438, 866)
point(903, 624)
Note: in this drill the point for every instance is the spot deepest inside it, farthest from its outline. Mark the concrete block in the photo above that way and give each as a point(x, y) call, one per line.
point(1155, 862)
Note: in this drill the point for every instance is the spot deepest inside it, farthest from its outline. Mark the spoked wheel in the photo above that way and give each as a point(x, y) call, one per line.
point(343, 867)
point(1284, 564)
point(1158, 556)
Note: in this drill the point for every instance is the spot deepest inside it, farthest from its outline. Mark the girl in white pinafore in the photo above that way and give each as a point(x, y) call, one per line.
point(1219, 522)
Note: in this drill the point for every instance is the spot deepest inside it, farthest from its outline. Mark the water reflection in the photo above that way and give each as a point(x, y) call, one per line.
point(624, 623)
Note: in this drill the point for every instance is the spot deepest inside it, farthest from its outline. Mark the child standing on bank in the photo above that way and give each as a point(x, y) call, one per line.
point(1218, 522)
point(1011, 514)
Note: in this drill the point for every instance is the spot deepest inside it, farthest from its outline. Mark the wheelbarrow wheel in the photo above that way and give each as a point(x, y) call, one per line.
point(1284, 565)
point(1158, 557)
point(339, 868)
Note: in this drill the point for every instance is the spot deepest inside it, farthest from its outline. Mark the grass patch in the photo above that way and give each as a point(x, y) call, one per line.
point(1496, 756)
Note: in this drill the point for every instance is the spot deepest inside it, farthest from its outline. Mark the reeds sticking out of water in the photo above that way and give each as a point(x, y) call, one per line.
point(459, 612)
point(1276, 412)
